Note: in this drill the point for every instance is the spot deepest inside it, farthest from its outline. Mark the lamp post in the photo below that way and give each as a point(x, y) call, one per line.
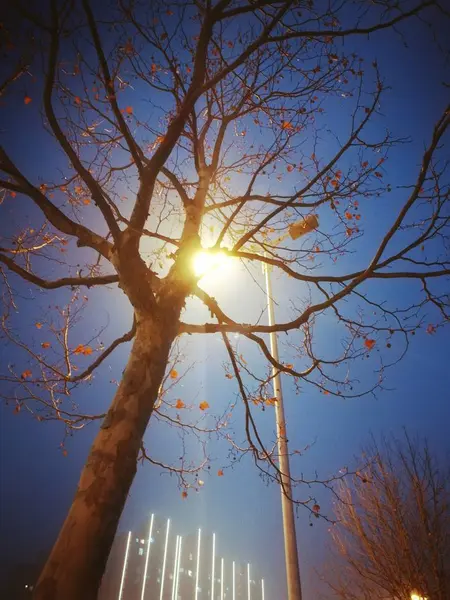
point(204, 261)
point(293, 580)
point(287, 506)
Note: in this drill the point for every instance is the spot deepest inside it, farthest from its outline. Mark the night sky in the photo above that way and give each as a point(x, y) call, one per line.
point(38, 481)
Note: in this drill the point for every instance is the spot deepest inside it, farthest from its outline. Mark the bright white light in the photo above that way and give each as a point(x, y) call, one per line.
point(204, 262)
point(125, 560)
point(197, 574)
point(213, 565)
point(175, 566)
point(163, 574)
point(221, 579)
point(144, 581)
point(415, 596)
point(178, 568)
point(248, 581)
point(262, 589)
point(234, 581)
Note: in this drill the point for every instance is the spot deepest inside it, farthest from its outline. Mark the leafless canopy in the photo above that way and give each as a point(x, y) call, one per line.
point(174, 125)
point(392, 538)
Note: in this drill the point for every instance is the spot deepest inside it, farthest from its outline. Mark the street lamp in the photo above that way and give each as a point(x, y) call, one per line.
point(203, 262)
point(415, 596)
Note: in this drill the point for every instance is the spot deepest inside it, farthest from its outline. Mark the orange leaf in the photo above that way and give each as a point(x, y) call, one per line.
point(17, 409)
point(220, 473)
point(87, 350)
point(203, 405)
point(289, 366)
point(229, 376)
point(26, 374)
point(86, 201)
point(289, 168)
point(129, 110)
point(369, 344)
point(77, 100)
point(316, 508)
point(27, 100)
point(286, 125)
point(38, 325)
point(64, 452)
point(365, 164)
point(173, 374)
point(45, 344)
point(180, 404)
point(334, 182)
point(378, 174)
point(79, 349)
point(13, 194)
point(348, 215)
point(184, 494)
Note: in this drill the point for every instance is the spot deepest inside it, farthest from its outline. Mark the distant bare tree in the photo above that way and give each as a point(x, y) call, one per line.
point(392, 538)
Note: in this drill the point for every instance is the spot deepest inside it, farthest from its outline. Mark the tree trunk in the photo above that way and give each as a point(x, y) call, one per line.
point(76, 564)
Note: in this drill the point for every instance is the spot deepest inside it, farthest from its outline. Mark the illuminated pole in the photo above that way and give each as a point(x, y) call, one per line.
point(234, 581)
point(178, 569)
point(125, 560)
point(221, 579)
point(262, 589)
point(213, 565)
point(163, 574)
point(287, 507)
point(147, 557)
point(248, 581)
point(175, 568)
point(197, 573)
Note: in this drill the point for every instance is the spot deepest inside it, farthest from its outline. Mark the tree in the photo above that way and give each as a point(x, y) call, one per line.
point(176, 126)
point(392, 537)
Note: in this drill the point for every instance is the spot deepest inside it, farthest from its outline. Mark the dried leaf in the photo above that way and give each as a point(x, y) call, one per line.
point(203, 405)
point(220, 473)
point(369, 344)
point(180, 404)
point(26, 374)
point(173, 374)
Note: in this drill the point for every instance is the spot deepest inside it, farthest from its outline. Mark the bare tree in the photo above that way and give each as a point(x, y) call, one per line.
point(392, 537)
point(188, 124)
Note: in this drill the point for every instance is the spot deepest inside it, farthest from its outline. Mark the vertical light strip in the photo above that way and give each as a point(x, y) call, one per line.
point(248, 581)
point(125, 560)
point(221, 579)
point(150, 531)
point(213, 566)
point(163, 574)
point(197, 573)
point(178, 568)
point(234, 581)
point(175, 564)
point(262, 589)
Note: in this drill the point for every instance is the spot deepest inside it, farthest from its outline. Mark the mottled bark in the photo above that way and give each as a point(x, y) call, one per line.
point(77, 561)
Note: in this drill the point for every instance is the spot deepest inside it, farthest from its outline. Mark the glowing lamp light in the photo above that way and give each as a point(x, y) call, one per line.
point(203, 262)
point(415, 596)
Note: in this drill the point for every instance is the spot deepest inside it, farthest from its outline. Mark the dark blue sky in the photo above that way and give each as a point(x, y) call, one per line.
point(38, 482)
